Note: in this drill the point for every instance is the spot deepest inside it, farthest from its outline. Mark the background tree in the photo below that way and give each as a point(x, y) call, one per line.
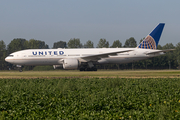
point(116, 44)
point(74, 43)
point(168, 46)
point(37, 44)
point(89, 44)
point(17, 44)
point(170, 56)
point(131, 42)
point(3, 54)
point(177, 53)
point(159, 47)
point(60, 44)
point(103, 43)
point(2, 45)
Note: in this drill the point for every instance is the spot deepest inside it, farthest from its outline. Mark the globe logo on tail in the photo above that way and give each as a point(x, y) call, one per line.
point(148, 43)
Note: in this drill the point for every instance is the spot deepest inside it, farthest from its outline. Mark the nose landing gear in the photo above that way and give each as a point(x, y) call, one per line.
point(19, 68)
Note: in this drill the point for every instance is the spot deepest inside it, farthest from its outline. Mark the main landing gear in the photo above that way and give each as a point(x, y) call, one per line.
point(88, 67)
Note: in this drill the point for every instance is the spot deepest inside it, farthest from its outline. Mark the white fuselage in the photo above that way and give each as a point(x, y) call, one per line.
point(54, 56)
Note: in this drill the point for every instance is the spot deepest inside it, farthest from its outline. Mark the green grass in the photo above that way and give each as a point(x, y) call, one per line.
point(100, 74)
point(90, 98)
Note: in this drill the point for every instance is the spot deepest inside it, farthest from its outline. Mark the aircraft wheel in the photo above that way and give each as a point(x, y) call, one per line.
point(82, 69)
point(88, 69)
point(94, 69)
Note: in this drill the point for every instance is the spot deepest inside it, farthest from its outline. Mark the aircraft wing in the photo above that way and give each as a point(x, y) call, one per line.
point(160, 51)
point(101, 55)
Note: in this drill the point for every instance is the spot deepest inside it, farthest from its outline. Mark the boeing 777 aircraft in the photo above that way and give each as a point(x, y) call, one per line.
point(85, 59)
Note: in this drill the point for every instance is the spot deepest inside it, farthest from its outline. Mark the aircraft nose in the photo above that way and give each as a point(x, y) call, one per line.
point(7, 59)
point(10, 58)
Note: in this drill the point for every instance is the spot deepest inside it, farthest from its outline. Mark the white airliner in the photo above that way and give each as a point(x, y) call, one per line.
point(85, 59)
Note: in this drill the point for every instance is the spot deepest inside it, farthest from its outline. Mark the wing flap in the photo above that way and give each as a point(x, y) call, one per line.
point(102, 55)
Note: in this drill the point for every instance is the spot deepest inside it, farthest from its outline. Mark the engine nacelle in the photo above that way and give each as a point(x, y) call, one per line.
point(70, 63)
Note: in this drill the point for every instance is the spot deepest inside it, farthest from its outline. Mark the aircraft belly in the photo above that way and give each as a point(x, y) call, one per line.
point(36, 62)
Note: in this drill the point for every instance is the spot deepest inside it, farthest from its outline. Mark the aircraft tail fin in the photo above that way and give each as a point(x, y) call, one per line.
point(152, 40)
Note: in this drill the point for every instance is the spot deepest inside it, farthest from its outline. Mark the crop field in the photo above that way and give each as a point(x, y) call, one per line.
point(90, 95)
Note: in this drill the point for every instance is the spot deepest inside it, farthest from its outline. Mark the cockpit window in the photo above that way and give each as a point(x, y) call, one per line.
point(11, 56)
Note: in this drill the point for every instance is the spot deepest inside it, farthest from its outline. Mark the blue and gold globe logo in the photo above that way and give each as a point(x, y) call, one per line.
point(148, 43)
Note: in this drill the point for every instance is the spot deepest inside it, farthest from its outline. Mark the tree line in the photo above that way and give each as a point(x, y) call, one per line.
point(171, 60)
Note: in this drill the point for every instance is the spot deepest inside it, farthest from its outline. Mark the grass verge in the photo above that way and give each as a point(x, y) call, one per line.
point(92, 74)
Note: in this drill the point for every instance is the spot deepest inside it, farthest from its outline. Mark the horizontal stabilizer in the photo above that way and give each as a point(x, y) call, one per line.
point(160, 51)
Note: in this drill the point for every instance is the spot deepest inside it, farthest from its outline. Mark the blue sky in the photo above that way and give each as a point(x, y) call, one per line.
point(55, 20)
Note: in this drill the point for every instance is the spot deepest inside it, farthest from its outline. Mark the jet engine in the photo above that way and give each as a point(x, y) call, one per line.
point(70, 63)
